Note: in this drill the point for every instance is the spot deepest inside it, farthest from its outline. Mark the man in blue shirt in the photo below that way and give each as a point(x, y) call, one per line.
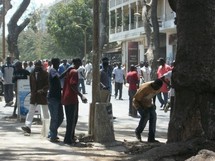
point(54, 100)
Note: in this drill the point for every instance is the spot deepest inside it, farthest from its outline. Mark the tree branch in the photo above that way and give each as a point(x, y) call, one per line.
point(19, 12)
point(23, 25)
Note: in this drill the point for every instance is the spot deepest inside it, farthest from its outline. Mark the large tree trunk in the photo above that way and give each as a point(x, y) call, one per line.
point(194, 74)
point(149, 12)
point(146, 16)
point(14, 30)
point(156, 38)
point(192, 125)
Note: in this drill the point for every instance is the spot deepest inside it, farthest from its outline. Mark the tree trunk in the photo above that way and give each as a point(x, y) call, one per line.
point(14, 30)
point(146, 8)
point(104, 18)
point(194, 75)
point(149, 11)
point(156, 38)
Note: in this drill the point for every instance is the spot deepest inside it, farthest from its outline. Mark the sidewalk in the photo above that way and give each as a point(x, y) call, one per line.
point(16, 146)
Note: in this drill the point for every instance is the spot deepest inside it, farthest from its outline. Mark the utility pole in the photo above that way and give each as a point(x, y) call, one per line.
point(96, 58)
point(3, 31)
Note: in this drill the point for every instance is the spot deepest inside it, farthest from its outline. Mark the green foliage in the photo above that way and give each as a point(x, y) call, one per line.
point(35, 18)
point(67, 24)
point(33, 46)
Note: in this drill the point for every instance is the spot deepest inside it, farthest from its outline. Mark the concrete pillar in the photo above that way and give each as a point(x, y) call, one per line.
point(103, 131)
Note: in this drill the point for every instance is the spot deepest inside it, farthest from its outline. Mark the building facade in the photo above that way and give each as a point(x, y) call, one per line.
point(126, 27)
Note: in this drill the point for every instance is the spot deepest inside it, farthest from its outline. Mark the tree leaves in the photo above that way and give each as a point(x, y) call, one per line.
point(62, 25)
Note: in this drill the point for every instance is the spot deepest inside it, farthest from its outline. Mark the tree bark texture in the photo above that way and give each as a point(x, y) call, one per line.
point(149, 12)
point(156, 38)
point(14, 30)
point(146, 16)
point(194, 74)
point(103, 22)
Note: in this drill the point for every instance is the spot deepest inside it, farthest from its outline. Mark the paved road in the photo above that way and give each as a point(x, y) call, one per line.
point(15, 146)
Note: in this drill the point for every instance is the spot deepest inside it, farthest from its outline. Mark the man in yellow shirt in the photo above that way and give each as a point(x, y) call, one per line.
point(143, 102)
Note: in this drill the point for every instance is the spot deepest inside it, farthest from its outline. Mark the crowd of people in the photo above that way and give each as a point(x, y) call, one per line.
point(57, 83)
point(53, 84)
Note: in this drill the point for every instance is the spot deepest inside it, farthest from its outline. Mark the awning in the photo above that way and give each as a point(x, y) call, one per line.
point(117, 50)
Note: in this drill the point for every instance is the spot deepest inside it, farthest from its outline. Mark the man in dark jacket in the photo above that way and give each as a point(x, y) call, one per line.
point(39, 86)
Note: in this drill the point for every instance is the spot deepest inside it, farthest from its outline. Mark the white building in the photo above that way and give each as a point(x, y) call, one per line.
point(127, 28)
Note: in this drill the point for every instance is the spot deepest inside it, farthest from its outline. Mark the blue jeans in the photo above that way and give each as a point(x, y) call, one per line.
point(81, 82)
point(151, 115)
point(8, 92)
point(163, 100)
point(71, 120)
point(56, 113)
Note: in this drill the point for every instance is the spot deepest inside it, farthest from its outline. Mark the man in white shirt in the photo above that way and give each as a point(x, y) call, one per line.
point(119, 79)
point(88, 70)
point(81, 78)
point(146, 72)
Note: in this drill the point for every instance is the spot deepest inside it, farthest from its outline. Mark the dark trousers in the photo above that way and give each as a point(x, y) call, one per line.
point(56, 113)
point(118, 87)
point(172, 102)
point(151, 115)
point(8, 92)
point(132, 110)
point(163, 100)
point(71, 120)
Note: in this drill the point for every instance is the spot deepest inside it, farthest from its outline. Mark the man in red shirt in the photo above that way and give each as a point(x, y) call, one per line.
point(133, 81)
point(70, 100)
point(162, 69)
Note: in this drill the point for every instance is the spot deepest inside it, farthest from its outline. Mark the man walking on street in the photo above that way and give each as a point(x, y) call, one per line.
point(119, 79)
point(81, 78)
point(39, 86)
point(133, 81)
point(143, 102)
point(162, 69)
point(88, 68)
point(8, 71)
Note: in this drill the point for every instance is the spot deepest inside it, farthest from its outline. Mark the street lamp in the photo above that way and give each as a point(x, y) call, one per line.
point(84, 29)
